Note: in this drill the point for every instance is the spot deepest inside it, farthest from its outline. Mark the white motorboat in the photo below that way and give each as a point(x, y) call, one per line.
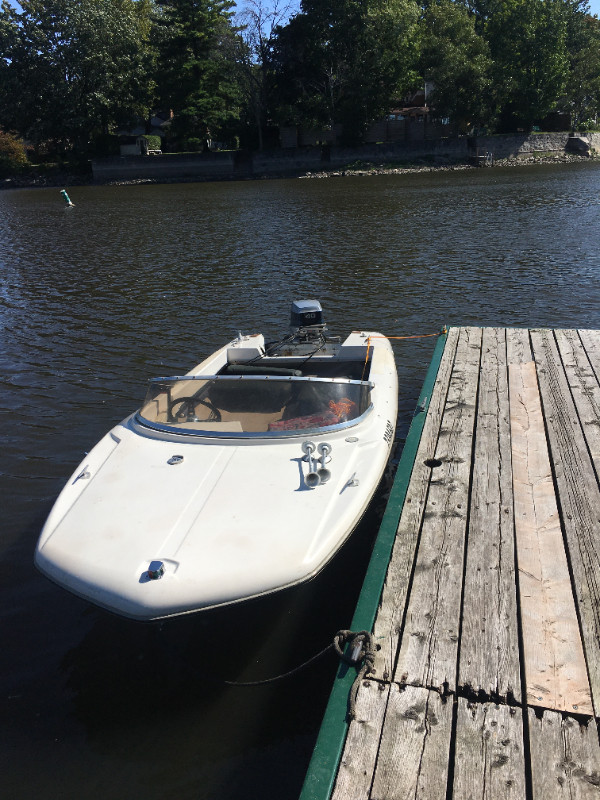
point(240, 478)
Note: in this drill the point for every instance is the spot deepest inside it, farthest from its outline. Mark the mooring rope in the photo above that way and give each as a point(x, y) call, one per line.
point(414, 336)
point(359, 650)
point(291, 672)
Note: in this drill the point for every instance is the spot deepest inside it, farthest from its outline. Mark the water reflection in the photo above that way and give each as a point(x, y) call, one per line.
point(138, 281)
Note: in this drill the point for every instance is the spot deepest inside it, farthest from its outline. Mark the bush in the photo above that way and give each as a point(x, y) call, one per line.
point(12, 153)
point(588, 125)
point(194, 145)
point(154, 142)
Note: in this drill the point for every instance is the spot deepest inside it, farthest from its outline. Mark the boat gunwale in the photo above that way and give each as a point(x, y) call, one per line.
point(200, 377)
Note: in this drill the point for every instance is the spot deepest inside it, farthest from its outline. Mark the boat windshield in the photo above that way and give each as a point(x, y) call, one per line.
point(224, 405)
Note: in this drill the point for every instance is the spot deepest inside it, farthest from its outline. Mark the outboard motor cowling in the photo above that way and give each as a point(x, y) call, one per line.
point(306, 314)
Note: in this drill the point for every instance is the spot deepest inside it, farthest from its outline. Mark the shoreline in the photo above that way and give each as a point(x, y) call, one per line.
point(410, 169)
point(59, 179)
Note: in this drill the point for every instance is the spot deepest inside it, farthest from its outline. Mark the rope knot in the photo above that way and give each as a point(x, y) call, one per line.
point(359, 648)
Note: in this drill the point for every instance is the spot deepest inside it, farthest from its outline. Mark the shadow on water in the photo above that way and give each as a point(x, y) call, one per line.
point(111, 707)
point(169, 679)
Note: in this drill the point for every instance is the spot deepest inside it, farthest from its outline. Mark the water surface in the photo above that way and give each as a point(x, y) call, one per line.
point(144, 280)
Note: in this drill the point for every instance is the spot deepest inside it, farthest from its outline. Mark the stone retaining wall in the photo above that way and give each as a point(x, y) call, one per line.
point(523, 144)
point(594, 140)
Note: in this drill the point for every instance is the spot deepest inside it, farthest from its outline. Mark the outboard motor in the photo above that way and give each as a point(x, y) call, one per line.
point(307, 319)
point(306, 313)
point(308, 333)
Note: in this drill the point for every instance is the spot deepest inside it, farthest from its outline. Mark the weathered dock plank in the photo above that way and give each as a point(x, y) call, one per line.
point(565, 757)
point(518, 347)
point(429, 646)
point(388, 624)
point(555, 668)
point(357, 765)
point(585, 389)
point(489, 648)
point(573, 417)
point(489, 761)
point(414, 753)
point(487, 680)
point(591, 343)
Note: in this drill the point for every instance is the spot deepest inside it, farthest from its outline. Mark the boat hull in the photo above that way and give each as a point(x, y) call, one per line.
point(228, 519)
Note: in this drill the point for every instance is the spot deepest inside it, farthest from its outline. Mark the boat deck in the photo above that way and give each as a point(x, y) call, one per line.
point(487, 670)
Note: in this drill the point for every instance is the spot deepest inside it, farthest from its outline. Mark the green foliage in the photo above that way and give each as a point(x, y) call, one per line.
point(528, 44)
point(588, 125)
point(582, 93)
point(154, 142)
point(74, 72)
point(193, 145)
point(12, 153)
point(196, 75)
point(456, 59)
point(258, 23)
point(345, 62)
point(74, 68)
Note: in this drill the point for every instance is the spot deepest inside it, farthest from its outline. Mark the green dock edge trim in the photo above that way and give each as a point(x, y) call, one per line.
point(327, 753)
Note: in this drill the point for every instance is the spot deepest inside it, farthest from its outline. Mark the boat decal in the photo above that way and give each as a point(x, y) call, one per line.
point(389, 432)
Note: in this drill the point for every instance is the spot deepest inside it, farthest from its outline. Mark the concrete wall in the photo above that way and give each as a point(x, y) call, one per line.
point(594, 139)
point(165, 167)
point(294, 160)
point(398, 152)
point(523, 144)
point(286, 161)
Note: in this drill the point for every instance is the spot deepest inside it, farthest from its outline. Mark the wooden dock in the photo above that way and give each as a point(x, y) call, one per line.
point(487, 672)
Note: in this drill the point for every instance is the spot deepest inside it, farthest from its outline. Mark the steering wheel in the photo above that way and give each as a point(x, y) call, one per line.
point(188, 406)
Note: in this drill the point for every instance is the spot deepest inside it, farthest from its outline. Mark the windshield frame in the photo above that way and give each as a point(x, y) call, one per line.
point(276, 434)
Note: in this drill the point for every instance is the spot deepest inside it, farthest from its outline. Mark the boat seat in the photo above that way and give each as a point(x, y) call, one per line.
point(226, 426)
point(251, 423)
point(306, 422)
point(259, 397)
point(257, 369)
point(306, 399)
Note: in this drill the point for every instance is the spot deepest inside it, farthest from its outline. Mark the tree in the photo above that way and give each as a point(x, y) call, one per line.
point(196, 72)
point(582, 92)
point(527, 40)
point(9, 36)
point(456, 59)
point(346, 61)
point(308, 77)
point(74, 68)
point(258, 22)
point(12, 153)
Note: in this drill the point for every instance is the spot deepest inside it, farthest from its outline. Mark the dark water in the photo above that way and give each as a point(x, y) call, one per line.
point(136, 281)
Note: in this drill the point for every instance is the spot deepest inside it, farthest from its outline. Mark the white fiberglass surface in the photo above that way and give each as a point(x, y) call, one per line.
point(199, 517)
point(243, 405)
